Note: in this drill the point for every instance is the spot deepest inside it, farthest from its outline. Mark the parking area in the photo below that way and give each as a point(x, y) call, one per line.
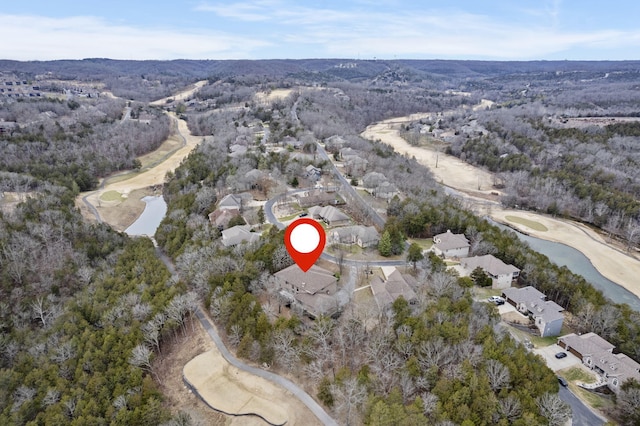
point(555, 364)
point(506, 307)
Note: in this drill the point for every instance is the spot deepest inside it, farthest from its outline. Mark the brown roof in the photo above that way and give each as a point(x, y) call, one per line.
point(221, 217)
point(386, 292)
point(314, 280)
point(316, 197)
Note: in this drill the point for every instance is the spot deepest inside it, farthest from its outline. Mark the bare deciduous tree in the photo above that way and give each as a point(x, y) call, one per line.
point(498, 374)
point(555, 410)
point(349, 397)
point(510, 408)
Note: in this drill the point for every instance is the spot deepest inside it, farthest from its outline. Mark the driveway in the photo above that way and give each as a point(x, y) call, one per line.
point(555, 364)
point(507, 307)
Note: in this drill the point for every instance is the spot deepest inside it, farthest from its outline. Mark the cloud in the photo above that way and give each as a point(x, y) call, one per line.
point(45, 38)
point(257, 29)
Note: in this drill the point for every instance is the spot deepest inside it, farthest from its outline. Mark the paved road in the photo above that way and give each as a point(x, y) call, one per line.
point(373, 215)
point(271, 218)
point(279, 380)
point(582, 415)
point(91, 207)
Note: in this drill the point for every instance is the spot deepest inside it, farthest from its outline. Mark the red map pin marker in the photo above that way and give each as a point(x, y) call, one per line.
point(305, 240)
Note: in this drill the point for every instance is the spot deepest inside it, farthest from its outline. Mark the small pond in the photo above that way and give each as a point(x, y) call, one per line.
point(150, 218)
point(578, 263)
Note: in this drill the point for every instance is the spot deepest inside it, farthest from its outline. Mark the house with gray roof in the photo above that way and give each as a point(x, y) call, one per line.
point(385, 190)
point(386, 290)
point(313, 291)
point(597, 354)
point(347, 153)
point(334, 143)
point(363, 236)
point(449, 244)
point(546, 314)
point(373, 179)
point(231, 201)
point(329, 215)
point(355, 165)
point(316, 197)
point(312, 172)
point(502, 275)
point(239, 234)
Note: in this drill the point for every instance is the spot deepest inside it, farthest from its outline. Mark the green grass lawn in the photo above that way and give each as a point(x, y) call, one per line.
point(425, 243)
point(537, 226)
point(485, 292)
point(541, 342)
point(111, 196)
point(574, 374)
point(286, 218)
point(599, 402)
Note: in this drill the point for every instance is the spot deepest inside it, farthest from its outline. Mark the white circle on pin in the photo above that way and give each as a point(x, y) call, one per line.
point(304, 238)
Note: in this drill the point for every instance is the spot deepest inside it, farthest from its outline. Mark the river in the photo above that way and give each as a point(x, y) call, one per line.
point(150, 218)
point(578, 263)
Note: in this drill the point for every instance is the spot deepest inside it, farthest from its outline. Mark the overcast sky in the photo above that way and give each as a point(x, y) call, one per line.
point(357, 29)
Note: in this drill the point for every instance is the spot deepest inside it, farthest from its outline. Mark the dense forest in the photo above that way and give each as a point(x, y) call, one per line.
point(78, 305)
point(84, 310)
point(564, 149)
point(74, 142)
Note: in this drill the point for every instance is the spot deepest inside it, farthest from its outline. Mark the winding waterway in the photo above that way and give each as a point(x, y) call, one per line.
point(578, 263)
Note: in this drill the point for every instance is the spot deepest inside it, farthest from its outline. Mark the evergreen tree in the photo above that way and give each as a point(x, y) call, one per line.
point(384, 245)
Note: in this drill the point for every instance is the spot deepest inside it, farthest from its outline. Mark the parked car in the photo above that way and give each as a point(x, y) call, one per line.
point(561, 355)
point(303, 214)
point(563, 381)
point(496, 299)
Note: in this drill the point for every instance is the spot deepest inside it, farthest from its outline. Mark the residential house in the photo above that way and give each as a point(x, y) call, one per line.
point(355, 165)
point(451, 245)
point(597, 354)
point(385, 190)
point(316, 197)
point(335, 143)
point(312, 173)
point(289, 141)
point(314, 291)
point(239, 234)
point(348, 153)
point(546, 314)
point(386, 291)
point(363, 236)
point(231, 201)
point(221, 217)
point(372, 180)
point(7, 127)
point(327, 184)
point(502, 275)
point(237, 150)
point(329, 215)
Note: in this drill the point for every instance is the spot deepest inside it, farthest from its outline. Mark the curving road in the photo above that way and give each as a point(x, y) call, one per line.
point(279, 380)
point(298, 392)
point(271, 218)
point(582, 415)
